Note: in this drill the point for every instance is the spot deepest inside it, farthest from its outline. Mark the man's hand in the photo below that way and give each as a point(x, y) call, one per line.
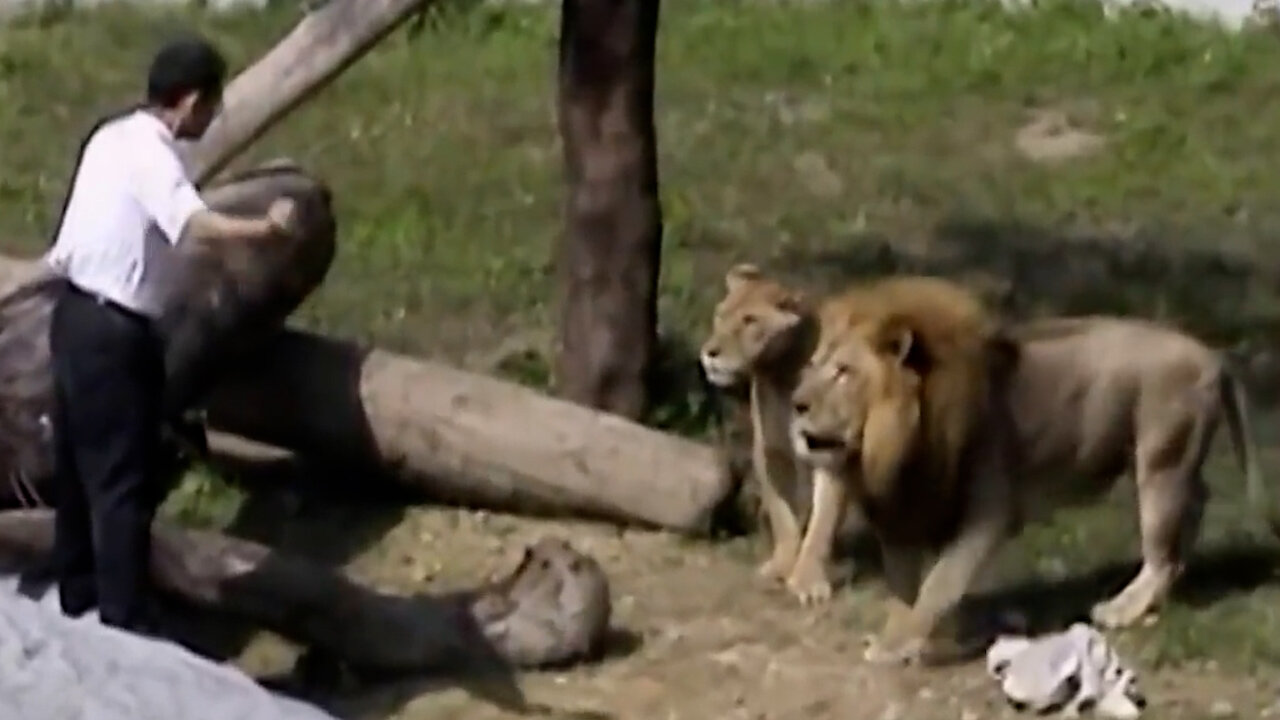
point(212, 228)
point(283, 215)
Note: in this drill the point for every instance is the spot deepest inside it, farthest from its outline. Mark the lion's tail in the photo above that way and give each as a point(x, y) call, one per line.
point(1237, 406)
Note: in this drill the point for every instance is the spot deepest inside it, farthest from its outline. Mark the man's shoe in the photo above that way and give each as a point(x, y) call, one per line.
point(75, 605)
point(35, 582)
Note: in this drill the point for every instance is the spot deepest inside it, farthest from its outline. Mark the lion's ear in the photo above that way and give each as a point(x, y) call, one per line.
point(741, 273)
point(897, 341)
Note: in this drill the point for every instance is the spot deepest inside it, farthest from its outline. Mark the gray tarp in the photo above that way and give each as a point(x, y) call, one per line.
point(56, 668)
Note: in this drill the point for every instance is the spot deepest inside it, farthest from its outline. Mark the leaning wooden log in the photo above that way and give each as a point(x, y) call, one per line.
point(217, 308)
point(553, 608)
point(466, 438)
point(326, 41)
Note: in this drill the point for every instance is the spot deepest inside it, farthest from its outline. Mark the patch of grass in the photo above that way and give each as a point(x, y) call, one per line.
point(203, 499)
point(822, 140)
point(1226, 609)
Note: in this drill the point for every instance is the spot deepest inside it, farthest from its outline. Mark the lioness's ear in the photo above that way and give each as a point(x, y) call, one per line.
point(792, 306)
point(739, 274)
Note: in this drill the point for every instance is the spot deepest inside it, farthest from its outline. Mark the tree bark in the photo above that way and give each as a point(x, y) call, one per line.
point(317, 50)
point(329, 612)
point(610, 253)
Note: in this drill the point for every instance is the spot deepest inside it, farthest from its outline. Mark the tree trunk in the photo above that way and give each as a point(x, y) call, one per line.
point(300, 600)
point(610, 254)
point(317, 50)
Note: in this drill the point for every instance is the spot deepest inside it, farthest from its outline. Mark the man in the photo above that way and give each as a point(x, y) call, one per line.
point(129, 204)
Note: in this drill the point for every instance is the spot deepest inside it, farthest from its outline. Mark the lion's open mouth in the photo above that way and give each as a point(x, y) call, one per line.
point(821, 443)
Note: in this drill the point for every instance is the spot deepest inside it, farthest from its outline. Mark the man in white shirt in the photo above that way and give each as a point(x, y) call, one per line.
point(129, 204)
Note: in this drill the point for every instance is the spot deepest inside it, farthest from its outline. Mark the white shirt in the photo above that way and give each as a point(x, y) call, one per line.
point(129, 203)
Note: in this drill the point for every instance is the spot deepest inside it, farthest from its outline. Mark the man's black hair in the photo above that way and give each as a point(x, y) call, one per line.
point(187, 64)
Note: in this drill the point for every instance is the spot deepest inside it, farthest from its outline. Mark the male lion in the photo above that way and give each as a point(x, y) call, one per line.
point(1069, 405)
point(763, 332)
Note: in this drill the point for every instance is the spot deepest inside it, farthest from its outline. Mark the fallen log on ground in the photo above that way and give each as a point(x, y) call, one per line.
point(217, 308)
point(552, 609)
point(466, 438)
point(458, 437)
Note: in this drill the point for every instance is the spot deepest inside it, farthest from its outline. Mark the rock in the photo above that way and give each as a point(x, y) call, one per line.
point(1051, 138)
point(892, 711)
point(1221, 709)
point(817, 175)
point(1053, 568)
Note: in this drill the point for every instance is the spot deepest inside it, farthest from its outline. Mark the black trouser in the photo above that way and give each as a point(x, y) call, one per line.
point(108, 368)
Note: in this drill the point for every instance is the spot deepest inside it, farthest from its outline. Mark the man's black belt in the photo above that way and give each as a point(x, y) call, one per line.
point(110, 304)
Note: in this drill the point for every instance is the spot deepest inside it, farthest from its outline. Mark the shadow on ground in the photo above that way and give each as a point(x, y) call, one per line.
point(1214, 574)
point(491, 684)
point(286, 500)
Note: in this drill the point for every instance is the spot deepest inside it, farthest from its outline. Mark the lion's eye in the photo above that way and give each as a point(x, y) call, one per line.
point(750, 320)
point(842, 370)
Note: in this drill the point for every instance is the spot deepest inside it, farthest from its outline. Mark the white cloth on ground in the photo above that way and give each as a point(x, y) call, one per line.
point(1073, 671)
point(56, 668)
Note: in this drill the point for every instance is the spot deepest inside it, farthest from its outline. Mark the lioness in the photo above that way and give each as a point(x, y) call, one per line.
point(1071, 404)
point(761, 333)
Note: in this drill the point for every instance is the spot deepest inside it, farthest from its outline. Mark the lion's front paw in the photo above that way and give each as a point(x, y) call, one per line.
point(778, 566)
point(810, 583)
point(890, 651)
point(900, 640)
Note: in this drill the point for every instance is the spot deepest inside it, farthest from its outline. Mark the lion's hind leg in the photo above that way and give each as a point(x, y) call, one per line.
point(1171, 499)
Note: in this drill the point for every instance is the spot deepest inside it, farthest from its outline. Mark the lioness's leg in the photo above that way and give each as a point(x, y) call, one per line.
point(810, 579)
point(986, 524)
point(784, 526)
point(1171, 498)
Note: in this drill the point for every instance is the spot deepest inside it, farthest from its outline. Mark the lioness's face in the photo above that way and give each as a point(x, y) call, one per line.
point(756, 321)
point(844, 381)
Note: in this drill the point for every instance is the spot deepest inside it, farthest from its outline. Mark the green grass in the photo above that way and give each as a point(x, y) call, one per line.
point(823, 140)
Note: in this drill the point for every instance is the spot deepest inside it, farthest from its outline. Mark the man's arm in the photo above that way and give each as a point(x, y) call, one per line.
point(162, 188)
point(210, 227)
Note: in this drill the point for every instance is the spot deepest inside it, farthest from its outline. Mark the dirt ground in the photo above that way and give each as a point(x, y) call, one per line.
point(697, 637)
